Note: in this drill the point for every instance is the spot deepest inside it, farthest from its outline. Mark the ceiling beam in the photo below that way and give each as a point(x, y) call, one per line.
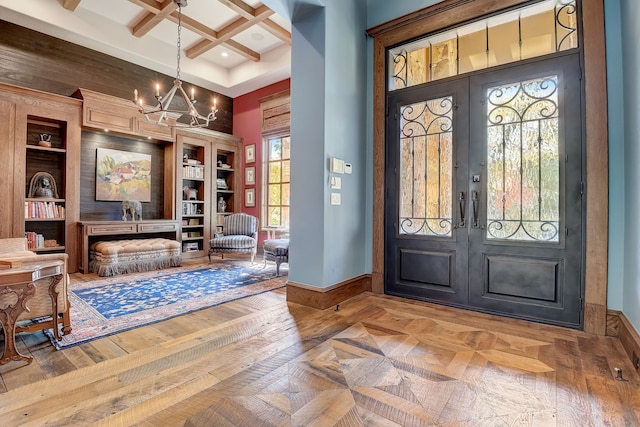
point(70, 4)
point(248, 12)
point(209, 34)
point(276, 30)
point(152, 18)
point(241, 24)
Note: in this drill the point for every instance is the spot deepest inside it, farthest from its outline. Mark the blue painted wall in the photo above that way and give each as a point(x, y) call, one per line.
point(630, 30)
point(328, 104)
point(381, 11)
point(616, 155)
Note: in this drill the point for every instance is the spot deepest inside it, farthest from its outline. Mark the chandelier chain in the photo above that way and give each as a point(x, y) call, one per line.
point(179, 41)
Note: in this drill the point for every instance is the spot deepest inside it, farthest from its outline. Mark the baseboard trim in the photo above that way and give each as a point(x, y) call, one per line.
point(322, 298)
point(619, 326)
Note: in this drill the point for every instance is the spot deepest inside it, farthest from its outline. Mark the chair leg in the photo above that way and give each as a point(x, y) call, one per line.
point(278, 267)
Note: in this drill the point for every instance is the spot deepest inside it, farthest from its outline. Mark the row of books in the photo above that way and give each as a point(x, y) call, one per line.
point(193, 172)
point(36, 241)
point(44, 210)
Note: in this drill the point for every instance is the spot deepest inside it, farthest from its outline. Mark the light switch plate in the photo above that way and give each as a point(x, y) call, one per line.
point(336, 199)
point(336, 183)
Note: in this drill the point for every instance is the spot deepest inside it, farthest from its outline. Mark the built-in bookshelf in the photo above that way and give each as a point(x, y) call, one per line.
point(194, 185)
point(209, 162)
point(225, 185)
point(45, 190)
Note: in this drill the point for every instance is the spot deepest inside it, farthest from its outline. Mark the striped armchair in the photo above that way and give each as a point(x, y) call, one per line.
point(239, 235)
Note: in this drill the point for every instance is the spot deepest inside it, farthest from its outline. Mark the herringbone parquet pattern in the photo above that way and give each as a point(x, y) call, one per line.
point(378, 361)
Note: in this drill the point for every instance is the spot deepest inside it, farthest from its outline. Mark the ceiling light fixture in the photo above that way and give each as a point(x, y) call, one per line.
point(163, 109)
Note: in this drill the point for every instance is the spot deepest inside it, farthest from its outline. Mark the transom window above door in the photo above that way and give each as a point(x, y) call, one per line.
point(546, 27)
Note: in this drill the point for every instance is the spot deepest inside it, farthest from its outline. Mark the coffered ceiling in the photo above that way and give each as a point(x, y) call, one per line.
point(229, 46)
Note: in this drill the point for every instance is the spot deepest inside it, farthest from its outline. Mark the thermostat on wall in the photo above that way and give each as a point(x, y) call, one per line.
point(347, 168)
point(336, 165)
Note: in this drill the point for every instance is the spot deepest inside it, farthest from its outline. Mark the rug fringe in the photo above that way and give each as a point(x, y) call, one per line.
point(135, 266)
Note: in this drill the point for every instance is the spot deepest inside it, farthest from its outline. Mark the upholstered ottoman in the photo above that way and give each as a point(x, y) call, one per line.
point(276, 250)
point(129, 256)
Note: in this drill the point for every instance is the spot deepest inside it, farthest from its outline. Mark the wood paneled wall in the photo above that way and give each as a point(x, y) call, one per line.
point(93, 210)
point(37, 61)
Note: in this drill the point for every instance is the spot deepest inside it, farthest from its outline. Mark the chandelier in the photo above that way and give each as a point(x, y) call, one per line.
point(164, 110)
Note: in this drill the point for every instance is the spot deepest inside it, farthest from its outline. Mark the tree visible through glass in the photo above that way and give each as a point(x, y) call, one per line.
point(523, 164)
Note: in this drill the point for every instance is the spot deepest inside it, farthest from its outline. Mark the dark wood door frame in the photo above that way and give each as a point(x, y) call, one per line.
point(452, 12)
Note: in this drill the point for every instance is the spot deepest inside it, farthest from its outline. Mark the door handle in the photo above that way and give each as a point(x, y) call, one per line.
point(476, 202)
point(462, 209)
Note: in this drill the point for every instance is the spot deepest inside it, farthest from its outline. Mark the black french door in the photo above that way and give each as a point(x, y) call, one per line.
point(484, 192)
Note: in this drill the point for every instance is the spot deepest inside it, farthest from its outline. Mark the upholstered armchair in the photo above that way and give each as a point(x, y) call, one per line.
point(239, 236)
point(40, 305)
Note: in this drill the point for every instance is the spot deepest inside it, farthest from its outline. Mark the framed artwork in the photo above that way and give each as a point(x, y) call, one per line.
point(250, 175)
point(122, 175)
point(250, 197)
point(250, 153)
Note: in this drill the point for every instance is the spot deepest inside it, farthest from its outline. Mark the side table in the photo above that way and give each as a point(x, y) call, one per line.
point(20, 282)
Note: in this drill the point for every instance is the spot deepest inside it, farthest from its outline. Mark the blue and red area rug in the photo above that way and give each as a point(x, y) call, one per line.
point(112, 305)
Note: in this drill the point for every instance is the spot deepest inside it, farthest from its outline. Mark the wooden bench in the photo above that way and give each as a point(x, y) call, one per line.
point(109, 258)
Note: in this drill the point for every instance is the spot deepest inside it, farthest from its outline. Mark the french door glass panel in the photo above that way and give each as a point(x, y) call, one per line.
point(523, 164)
point(426, 167)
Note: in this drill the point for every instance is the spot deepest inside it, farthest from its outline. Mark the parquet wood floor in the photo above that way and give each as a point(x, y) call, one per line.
point(378, 361)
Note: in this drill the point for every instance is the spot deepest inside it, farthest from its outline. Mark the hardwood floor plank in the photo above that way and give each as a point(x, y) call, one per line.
point(377, 361)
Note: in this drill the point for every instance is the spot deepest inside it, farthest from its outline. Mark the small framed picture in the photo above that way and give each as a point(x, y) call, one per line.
point(250, 153)
point(250, 175)
point(250, 197)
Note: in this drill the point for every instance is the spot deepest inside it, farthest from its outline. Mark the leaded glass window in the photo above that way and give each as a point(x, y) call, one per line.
point(523, 161)
point(426, 167)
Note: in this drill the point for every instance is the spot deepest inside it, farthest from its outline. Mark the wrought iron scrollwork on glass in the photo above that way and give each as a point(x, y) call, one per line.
point(523, 164)
point(401, 70)
point(426, 166)
point(566, 18)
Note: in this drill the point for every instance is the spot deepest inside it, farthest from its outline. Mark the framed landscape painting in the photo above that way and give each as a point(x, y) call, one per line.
point(123, 175)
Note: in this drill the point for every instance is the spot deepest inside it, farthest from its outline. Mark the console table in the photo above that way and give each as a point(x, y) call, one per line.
point(19, 281)
point(113, 230)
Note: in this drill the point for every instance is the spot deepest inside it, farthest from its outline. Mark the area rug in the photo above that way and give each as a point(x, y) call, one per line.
point(112, 305)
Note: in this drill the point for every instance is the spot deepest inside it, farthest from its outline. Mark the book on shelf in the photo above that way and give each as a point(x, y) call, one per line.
point(43, 210)
point(196, 172)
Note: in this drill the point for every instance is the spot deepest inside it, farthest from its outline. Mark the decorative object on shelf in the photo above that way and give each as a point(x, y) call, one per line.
point(221, 184)
point(222, 205)
point(43, 185)
point(50, 243)
point(223, 165)
point(190, 193)
point(122, 175)
point(45, 140)
point(250, 197)
point(131, 208)
point(250, 153)
point(164, 108)
point(250, 175)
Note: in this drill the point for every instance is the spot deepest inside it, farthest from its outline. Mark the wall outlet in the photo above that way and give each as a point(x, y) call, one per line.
point(635, 360)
